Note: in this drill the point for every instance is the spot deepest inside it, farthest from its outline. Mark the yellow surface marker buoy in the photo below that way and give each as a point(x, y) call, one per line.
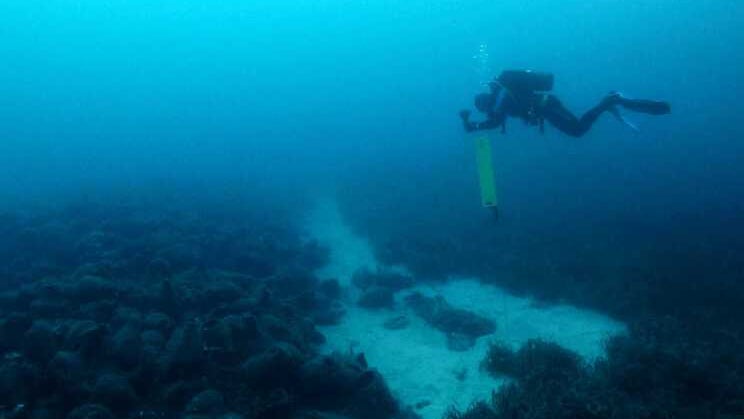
point(485, 172)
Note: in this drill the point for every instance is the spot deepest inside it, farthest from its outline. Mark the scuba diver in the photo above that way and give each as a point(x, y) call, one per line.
point(524, 94)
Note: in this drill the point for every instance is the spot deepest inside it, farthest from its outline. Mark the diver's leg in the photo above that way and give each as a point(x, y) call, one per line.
point(561, 118)
point(564, 120)
point(590, 116)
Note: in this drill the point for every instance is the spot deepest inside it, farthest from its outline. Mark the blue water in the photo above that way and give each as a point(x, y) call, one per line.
point(95, 93)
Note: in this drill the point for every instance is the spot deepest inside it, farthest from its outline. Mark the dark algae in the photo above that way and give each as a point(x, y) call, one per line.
point(169, 318)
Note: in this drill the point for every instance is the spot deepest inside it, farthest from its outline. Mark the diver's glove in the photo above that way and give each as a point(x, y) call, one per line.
point(466, 124)
point(469, 126)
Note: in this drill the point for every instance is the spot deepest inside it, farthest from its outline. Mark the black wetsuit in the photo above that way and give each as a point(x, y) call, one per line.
point(535, 108)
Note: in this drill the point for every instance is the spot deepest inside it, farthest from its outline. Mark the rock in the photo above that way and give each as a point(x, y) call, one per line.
point(406, 413)
point(126, 315)
point(43, 413)
point(218, 292)
point(85, 337)
point(230, 337)
point(376, 297)
point(396, 323)
point(373, 400)
point(99, 269)
point(255, 265)
point(101, 311)
point(313, 414)
point(310, 333)
point(93, 243)
point(67, 370)
point(251, 326)
point(329, 314)
point(91, 288)
point(168, 298)
point(501, 360)
point(49, 307)
point(44, 289)
point(15, 411)
point(292, 283)
point(329, 381)
point(159, 268)
point(179, 393)
point(144, 320)
point(147, 414)
point(461, 374)
point(19, 379)
point(308, 301)
point(217, 336)
point(41, 341)
point(91, 411)
point(126, 346)
point(152, 362)
point(184, 349)
point(11, 327)
point(365, 278)
point(422, 404)
point(277, 405)
point(26, 294)
point(152, 339)
point(241, 306)
point(8, 302)
point(231, 276)
point(158, 321)
point(181, 256)
point(461, 327)
point(114, 391)
point(459, 342)
point(276, 328)
point(275, 367)
point(321, 308)
point(264, 297)
point(330, 288)
point(209, 403)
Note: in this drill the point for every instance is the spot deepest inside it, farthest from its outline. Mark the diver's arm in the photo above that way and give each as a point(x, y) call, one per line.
point(471, 126)
point(487, 124)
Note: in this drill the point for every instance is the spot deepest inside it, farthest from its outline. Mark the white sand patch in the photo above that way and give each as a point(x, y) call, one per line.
point(519, 319)
point(415, 361)
point(348, 252)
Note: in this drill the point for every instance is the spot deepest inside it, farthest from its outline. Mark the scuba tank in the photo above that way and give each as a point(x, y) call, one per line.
point(525, 81)
point(527, 93)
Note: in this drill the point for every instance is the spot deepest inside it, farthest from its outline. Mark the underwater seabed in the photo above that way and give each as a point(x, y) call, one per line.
point(415, 361)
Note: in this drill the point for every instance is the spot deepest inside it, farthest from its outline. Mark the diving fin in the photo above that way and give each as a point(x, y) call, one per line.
point(651, 107)
point(620, 117)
